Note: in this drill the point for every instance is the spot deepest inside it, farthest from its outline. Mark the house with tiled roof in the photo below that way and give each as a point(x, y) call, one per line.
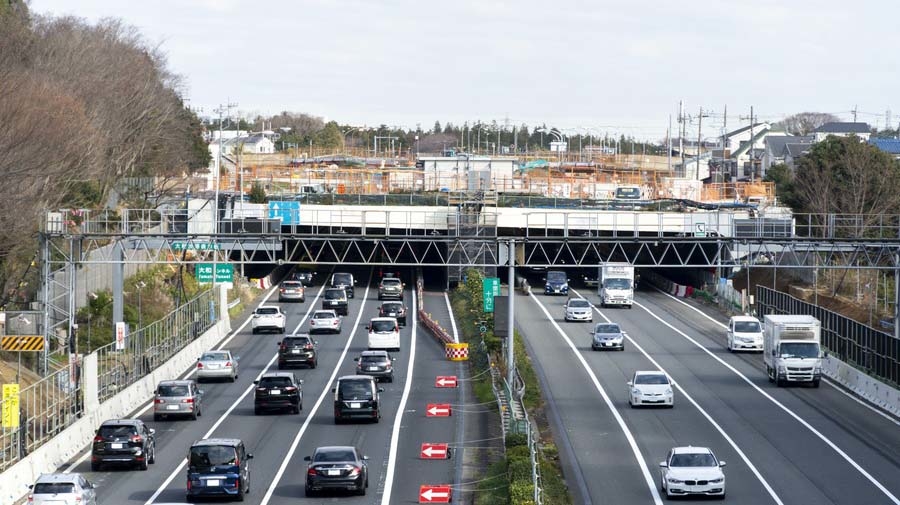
point(890, 146)
point(776, 148)
point(843, 129)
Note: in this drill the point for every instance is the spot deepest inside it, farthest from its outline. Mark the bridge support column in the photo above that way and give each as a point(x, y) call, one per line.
point(510, 348)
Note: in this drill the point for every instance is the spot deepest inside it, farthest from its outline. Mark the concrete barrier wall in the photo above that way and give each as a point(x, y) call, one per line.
point(868, 388)
point(51, 456)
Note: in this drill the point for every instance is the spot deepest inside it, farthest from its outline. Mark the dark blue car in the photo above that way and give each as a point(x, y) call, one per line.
point(218, 467)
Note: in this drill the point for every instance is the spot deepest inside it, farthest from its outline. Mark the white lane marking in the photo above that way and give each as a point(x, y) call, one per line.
point(309, 417)
point(395, 432)
point(452, 320)
point(827, 381)
point(650, 481)
point(780, 405)
point(705, 414)
point(190, 372)
point(233, 406)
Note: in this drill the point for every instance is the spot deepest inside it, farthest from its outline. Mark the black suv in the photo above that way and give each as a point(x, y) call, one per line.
point(343, 280)
point(378, 364)
point(336, 300)
point(218, 467)
point(297, 350)
point(356, 397)
point(278, 390)
point(123, 441)
point(393, 309)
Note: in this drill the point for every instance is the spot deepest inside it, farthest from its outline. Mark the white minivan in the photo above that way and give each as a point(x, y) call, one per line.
point(745, 333)
point(384, 333)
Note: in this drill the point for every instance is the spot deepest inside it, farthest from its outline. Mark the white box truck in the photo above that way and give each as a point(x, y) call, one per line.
point(792, 349)
point(615, 284)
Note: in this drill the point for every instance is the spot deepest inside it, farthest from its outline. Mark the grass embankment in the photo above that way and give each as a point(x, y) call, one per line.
point(516, 488)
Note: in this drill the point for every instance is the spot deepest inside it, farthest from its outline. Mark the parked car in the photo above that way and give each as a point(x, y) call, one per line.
point(579, 309)
point(378, 364)
point(62, 489)
point(356, 397)
point(297, 350)
point(177, 398)
point(278, 390)
point(390, 287)
point(607, 336)
point(650, 388)
point(123, 442)
point(267, 318)
point(393, 309)
point(384, 333)
point(692, 471)
point(325, 321)
point(218, 467)
point(337, 468)
point(217, 365)
point(291, 291)
point(343, 280)
point(336, 300)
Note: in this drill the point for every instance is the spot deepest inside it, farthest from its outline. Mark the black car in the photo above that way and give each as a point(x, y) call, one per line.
point(218, 467)
point(303, 275)
point(123, 442)
point(297, 350)
point(393, 309)
point(378, 364)
point(277, 391)
point(356, 397)
point(343, 280)
point(336, 300)
point(337, 468)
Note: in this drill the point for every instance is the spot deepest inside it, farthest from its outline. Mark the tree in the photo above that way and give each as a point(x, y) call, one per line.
point(804, 123)
point(783, 178)
point(257, 193)
point(330, 137)
point(437, 128)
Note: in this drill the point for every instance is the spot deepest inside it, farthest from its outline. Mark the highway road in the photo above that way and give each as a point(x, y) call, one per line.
point(279, 442)
point(793, 445)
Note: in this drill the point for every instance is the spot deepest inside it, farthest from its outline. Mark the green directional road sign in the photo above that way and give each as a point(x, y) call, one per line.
point(224, 272)
point(195, 246)
point(490, 287)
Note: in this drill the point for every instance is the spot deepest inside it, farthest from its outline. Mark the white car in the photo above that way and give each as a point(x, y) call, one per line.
point(62, 489)
point(692, 471)
point(744, 334)
point(384, 333)
point(325, 321)
point(579, 309)
point(650, 388)
point(268, 318)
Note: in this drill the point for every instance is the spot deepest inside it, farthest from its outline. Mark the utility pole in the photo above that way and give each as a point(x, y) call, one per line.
point(681, 134)
point(724, 139)
point(220, 110)
point(854, 111)
point(669, 144)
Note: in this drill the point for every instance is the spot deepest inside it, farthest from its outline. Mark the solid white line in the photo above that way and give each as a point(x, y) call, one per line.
point(395, 432)
point(780, 405)
point(452, 319)
point(650, 481)
point(705, 414)
point(309, 417)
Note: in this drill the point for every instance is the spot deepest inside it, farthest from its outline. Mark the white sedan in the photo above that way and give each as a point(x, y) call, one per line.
point(579, 309)
point(650, 388)
point(325, 321)
point(692, 471)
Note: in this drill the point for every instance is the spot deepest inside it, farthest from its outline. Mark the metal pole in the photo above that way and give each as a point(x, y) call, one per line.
point(510, 349)
point(897, 295)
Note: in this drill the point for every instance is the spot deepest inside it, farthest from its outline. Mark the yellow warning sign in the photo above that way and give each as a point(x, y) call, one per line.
point(10, 412)
point(456, 352)
point(22, 343)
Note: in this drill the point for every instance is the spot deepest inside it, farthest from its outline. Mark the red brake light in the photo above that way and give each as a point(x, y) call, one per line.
point(136, 438)
point(309, 346)
point(187, 400)
point(199, 365)
point(227, 363)
point(290, 388)
point(282, 290)
point(98, 438)
point(282, 347)
point(311, 471)
point(158, 400)
point(355, 471)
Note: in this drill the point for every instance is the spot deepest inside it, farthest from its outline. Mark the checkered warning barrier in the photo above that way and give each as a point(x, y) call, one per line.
point(457, 352)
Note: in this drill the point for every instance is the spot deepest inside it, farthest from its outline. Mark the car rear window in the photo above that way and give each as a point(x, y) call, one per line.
point(334, 294)
point(275, 382)
point(268, 311)
point(392, 307)
point(355, 390)
point(291, 285)
point(214, 356)
point(296, 342)
point(331, 456)
point(54, 488)
point(373, 359)
point(341, 279)
point(117, 430)
point(390, 282)
point(213, 455)
point(383, 326)
point(323, 315)
point(173, 391)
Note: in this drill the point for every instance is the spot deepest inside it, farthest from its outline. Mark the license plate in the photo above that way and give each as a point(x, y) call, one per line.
point(172, 407)
point(608, 344)
point(213, 365)
point(116, 446)
point(373, 368)
point(295, 351)
point(213, 482)
point(334, 303)
point(334, 472)
point(275, 392)
point(355, 405)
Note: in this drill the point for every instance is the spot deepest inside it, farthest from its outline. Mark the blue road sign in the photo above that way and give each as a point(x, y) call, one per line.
point(287, 211)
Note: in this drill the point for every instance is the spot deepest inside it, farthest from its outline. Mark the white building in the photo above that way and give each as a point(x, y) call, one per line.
point(861, 130)
point(467, 172)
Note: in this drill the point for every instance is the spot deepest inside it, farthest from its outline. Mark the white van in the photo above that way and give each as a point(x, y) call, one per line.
point(745, 333)
point(384, 333)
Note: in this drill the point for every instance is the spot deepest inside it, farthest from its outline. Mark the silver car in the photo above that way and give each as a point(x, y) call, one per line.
point(177, 398)
point(579, 309)
point(292, 291)
point(217, 365)
point(62, 489)
point(607, 336)
point(325, 321)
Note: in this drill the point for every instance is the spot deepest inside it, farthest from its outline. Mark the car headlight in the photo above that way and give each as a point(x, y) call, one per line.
point(668, 391)
point(817, 370)
point(673, 480)
point(780, 368)
point(635, 391)
point(717, 481)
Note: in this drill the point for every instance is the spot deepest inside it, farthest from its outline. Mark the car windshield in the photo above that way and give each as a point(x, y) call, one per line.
point(267, 311)
point(617, 283)
point(383, 326)
point(651, 379)
point(355, 390)
point(693, 459)
point(269, 382)
point(606, 328)
point(556, 276)
point(373, 360)
point(333, 455)
point(54, 488)
point(214, 356)
point(799, 350)
point(212, 455)
point(341, 279)
point(746, 327)
point(579, 304)
point(334, 294)
point(173, 390)
point(323, 315)
point(117, 431)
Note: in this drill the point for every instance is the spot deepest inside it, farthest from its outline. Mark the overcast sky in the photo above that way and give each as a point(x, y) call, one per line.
point(613, 66)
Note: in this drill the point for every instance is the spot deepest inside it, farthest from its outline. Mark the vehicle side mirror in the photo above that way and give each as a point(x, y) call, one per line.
point(825, 354)
point(663, 464)
point(721, 463)
point(393, 358)
point(381, 390)
point(256, 382)
point(365, 458)
point(333, 390)
point(237, 358)
point(200, 392)
point(315, 342)
point(307, 458)
point(279, 343)
point(152, 431)
point(355, 359)
point(630, 383)
point(367, 327)
point(300, 381)
point(249, 456)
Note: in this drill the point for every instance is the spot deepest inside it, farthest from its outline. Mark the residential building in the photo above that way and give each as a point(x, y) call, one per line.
point(842, 129)
point(776, 148)
point(890, 146)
